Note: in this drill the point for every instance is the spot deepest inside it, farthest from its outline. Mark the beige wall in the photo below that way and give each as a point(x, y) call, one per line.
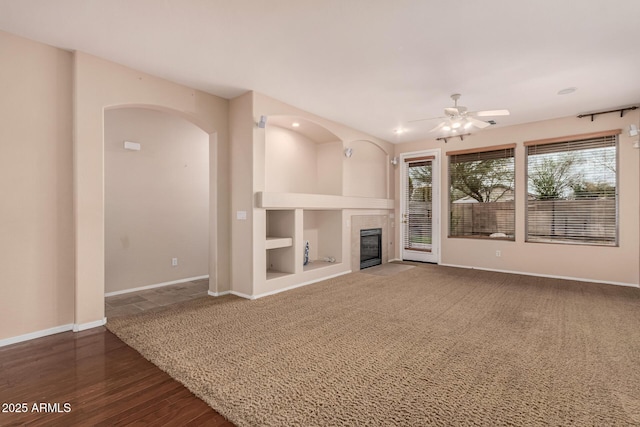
point(291, 162)
point(366, 172)
point(101, 84)
point(297, 164)
point(330, 168)
point(52, 216)
point(609, 264)
point(156, 199)
point(36, 202)
point(241, 129)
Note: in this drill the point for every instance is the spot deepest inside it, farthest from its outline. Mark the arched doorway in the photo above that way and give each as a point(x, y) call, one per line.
point(156, 206)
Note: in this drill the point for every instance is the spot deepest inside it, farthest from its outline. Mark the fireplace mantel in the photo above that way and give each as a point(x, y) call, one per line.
point(269, 200)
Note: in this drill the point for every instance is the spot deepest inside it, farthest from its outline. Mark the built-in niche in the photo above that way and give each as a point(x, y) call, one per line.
point(303, 159)
point(279, 243)
point(323, 230)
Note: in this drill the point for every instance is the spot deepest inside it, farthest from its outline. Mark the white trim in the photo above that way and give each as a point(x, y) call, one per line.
point(241, 295)
point(436, 203)
point(77, 327)
point(551, 276)
point(157, 285)
point(218, 294)
point(394, 260)
point(277, 291)
point(36, 334)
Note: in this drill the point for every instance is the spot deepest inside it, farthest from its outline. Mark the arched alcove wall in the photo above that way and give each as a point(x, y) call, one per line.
point(306, 158)
point(98, 85)
point(367, 171)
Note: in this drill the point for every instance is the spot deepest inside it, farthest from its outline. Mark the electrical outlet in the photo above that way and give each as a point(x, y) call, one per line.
point(498, 253)
point(174, 262)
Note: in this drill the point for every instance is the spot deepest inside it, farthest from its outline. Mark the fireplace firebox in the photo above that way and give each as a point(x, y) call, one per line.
point(370, 247)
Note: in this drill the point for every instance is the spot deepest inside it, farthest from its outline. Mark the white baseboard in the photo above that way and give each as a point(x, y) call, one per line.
point(277, 291)
point(36, 334)
point(218, 294)
point(550, 276)
point(241, 295)
point(395, 259)
point(77, 327)
point(157, 285)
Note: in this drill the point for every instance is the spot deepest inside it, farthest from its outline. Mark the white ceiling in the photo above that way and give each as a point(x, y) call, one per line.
point(370, 64)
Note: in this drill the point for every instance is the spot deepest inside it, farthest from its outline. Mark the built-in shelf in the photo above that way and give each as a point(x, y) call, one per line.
point(314, 265)
point(287, 231)
point(269, 200)
point(274, 274)
point(278, 242)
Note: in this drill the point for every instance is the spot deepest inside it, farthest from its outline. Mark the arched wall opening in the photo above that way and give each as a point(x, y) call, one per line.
point(156, 199)
point(100, 85)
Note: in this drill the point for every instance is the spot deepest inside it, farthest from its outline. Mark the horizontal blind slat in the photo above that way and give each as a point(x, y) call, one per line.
point(572, 191)
point(481, 193)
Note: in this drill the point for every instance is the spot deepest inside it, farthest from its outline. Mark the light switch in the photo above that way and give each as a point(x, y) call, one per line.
point(241, 215)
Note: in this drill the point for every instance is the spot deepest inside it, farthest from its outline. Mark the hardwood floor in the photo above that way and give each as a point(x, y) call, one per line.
point(103, 381)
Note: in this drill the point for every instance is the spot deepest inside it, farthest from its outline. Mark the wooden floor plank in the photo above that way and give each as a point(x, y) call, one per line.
point(105, 382)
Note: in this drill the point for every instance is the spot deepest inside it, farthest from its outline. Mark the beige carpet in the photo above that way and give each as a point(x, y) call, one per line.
point(388, 269)
point(428, 346)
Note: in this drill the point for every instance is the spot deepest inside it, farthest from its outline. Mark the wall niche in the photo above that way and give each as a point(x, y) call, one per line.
point(306, 158)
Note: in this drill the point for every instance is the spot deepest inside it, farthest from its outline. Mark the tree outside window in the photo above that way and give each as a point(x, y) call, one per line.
point(481, 193)
point(572, 187)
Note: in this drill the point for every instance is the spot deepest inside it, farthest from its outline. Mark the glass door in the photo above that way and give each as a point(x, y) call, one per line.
point(420, 208)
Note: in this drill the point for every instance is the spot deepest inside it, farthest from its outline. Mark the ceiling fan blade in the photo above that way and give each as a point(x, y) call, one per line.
point(490, 113)
point(424, 120)
point(478, 123)
point(437, 128)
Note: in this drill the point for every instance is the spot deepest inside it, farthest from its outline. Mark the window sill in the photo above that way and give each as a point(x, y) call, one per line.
point(503, 239)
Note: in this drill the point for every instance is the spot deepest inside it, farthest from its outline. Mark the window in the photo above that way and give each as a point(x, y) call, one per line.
point(572, 184)
point(481, 193)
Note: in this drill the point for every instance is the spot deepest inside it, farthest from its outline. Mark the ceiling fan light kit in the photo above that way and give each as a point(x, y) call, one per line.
point(458, 116)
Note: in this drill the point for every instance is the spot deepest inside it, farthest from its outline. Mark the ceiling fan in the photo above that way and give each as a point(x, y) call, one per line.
point(457, 118)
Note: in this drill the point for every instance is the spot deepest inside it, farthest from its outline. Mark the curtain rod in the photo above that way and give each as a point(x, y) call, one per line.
point(621, 110)
point(445, 138)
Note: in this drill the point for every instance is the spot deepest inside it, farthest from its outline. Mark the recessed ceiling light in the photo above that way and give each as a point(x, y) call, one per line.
point(399, 131)
point(295, 124)
point(567, 91)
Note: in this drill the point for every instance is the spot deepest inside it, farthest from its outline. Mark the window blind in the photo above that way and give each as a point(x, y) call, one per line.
point(482, 193)
point(572, 189)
